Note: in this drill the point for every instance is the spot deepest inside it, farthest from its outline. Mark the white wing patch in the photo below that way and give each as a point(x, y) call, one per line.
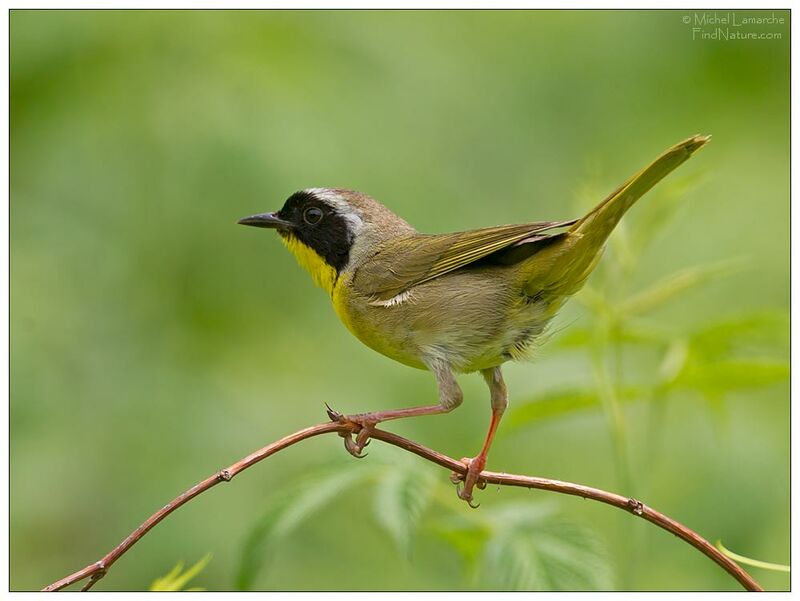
point(405, 296)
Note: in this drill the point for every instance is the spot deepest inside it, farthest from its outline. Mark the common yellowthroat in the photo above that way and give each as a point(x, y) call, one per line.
point(448, 303)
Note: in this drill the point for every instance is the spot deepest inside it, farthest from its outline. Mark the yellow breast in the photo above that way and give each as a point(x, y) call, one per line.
point(362, 322)
point(323, 275)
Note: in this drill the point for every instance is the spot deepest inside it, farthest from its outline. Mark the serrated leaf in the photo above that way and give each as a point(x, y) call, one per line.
point(675, 284)
point(176, 579)
point(287, 511)
point(403, 492)
point(514, 564)
point(533, 548)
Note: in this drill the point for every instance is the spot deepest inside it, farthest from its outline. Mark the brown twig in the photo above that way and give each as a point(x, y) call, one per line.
point(99, 569)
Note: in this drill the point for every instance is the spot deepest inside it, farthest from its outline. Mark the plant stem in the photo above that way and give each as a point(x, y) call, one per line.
point(97, 570)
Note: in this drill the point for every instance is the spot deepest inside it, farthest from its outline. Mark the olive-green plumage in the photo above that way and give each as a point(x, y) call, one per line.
point(479, 298)
point(459, 302)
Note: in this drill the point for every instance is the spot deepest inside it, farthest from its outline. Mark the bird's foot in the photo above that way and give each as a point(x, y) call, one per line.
point(470, 480)
point(363, 425)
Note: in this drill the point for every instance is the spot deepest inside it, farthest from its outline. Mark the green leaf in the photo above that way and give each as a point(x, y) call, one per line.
point(533, 548)
point(176, 579)
point(528, 546)
point(676, 284)
point(740, 353)
point(404, 490)
point(464, 537)
point(288, 510)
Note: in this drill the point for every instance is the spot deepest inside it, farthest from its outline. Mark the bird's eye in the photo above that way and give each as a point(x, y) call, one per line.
point(312, 215)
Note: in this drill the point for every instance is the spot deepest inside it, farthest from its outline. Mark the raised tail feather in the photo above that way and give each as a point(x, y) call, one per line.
point(600, 221)
point(563, 267)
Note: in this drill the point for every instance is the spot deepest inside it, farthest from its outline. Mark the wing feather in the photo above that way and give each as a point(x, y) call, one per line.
point(411, 261)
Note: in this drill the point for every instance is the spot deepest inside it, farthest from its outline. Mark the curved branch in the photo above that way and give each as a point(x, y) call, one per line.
point(97, 570)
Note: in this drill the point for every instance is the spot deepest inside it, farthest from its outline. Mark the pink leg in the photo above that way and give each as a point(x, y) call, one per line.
point(450, 397)
point(476, 465)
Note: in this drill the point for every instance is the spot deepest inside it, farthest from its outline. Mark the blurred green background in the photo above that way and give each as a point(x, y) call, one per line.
point(154, 341)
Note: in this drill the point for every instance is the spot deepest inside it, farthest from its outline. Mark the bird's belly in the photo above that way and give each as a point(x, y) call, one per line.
point(467, 321)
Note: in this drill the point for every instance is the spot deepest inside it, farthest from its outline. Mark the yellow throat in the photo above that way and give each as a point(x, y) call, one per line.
point(323, 274)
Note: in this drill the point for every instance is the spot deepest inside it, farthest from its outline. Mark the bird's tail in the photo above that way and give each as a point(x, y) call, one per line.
point(564, 267)
point(600, 221)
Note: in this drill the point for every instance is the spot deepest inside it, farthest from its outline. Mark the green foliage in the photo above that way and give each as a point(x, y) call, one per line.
point(528, 546)
point(512, 546)
point(672, 286)
point(177, 579)
point(403, 492)
point(713, 359)
point(734, 354)
point(287, 512)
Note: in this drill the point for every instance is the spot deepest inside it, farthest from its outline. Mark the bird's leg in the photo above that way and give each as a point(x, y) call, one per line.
point(499, 395)
point(450, 397)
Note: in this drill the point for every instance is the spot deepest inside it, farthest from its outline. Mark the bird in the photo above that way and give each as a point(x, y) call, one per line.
point(451, 303)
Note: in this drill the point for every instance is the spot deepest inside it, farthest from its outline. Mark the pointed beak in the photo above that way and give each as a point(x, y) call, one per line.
point(268, 220)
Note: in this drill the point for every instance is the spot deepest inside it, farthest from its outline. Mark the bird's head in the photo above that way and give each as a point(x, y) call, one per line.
point(329, 229)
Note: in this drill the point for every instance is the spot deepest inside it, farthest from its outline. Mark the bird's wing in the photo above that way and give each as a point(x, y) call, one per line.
point(406, 263)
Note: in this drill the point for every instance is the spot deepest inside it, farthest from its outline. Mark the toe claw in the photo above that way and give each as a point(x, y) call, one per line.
point(333, 415)
point(359, 425)
point(362, 438)
point(464, 496)
point(471, 479)
point(353, 448)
